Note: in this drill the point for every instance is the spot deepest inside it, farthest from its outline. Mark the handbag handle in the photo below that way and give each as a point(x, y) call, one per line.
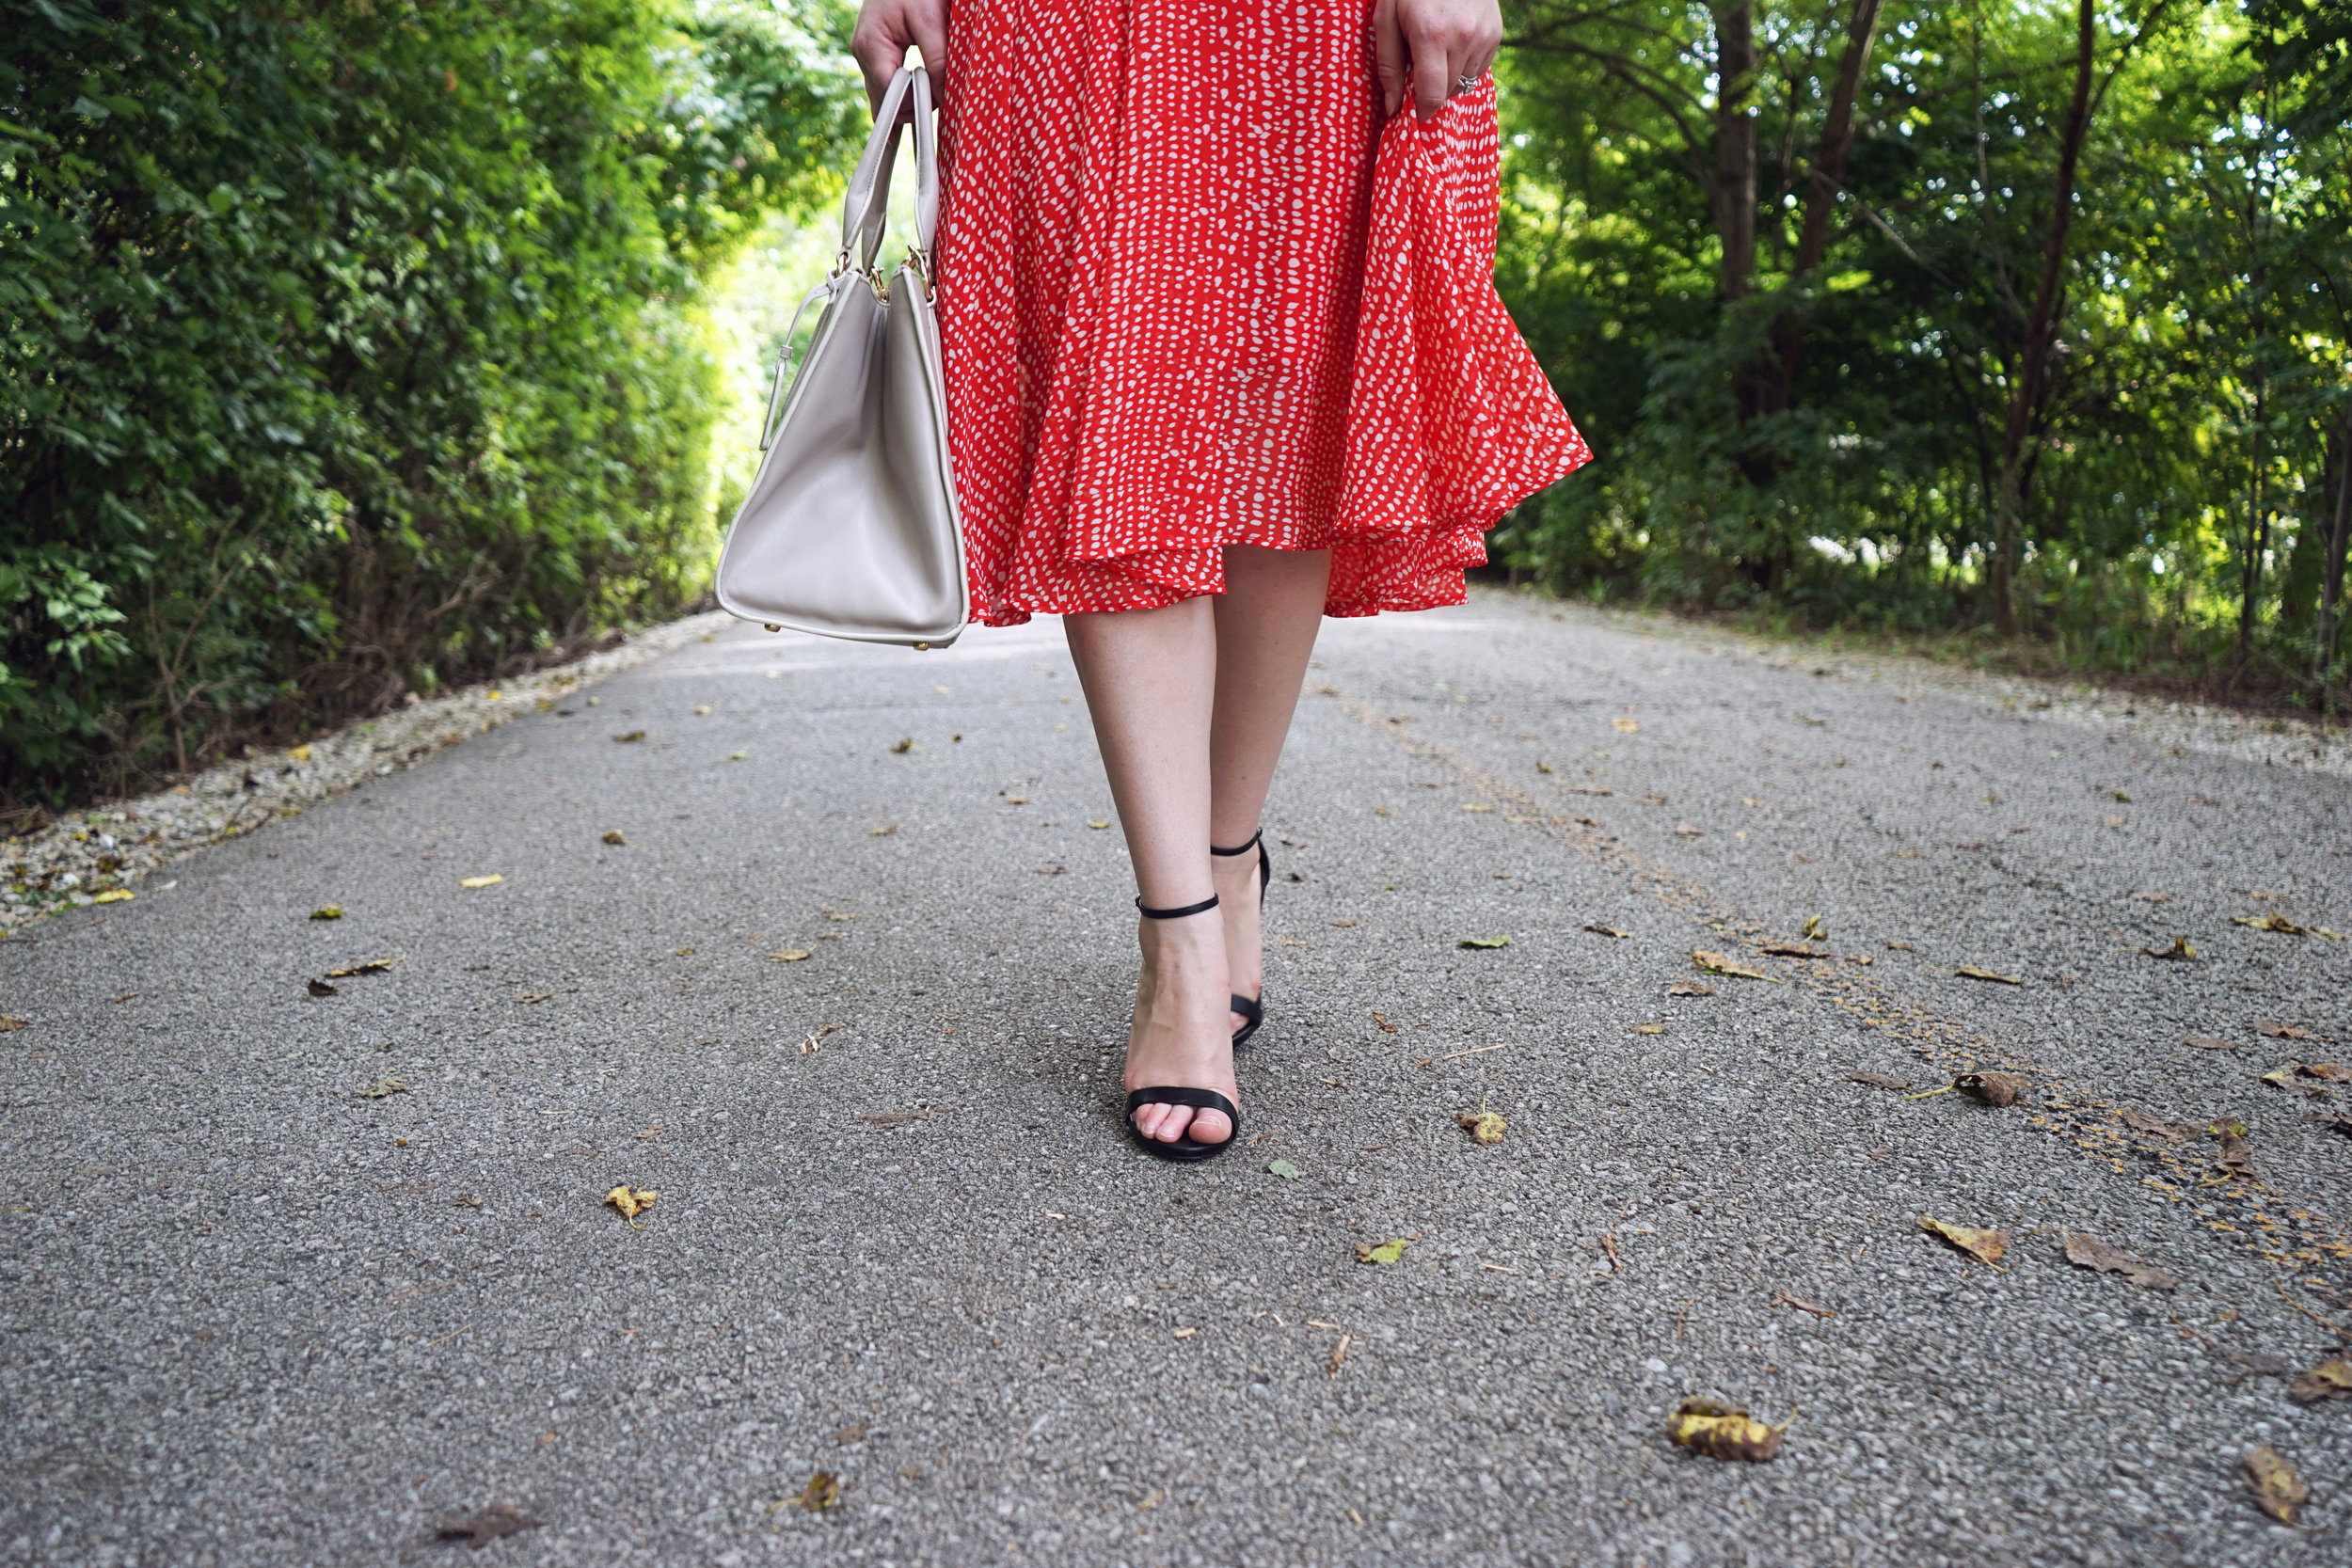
point(865, 211)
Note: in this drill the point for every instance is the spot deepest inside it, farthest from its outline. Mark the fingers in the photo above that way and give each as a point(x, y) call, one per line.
point(885, 28)
point(1388, 54)
point(1448, 41)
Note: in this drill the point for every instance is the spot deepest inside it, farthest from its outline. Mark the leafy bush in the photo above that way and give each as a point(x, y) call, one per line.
point(355, 346)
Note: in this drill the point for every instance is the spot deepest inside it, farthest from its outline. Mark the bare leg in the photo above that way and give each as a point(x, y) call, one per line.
point(1266, 621)
point(1150, 687)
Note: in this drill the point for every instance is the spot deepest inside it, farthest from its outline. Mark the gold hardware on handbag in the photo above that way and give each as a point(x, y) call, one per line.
point(851, 528)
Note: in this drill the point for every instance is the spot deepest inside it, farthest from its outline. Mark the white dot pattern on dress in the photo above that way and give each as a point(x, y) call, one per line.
point(1194, 293)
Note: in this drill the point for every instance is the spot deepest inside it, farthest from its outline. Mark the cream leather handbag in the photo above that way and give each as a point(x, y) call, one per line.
point(851, 528)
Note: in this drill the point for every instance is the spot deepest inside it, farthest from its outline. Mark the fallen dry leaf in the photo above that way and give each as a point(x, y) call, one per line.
point(822, 1492)
point(320, 988)
point(1990, 1088)
point(2330, 1072)
point(631, 1201)
point(2170, 1131)
point(465, 1200)
point(1985, 1247)
point(1625, 726)
point(1816, 928)
point(849, 1435)
point(2236, 1159)
point(1282, 1168)
point(1716, 963)
point(10, 1024)
point(902, 747)
point(2180, 952)
point(1338, 1356)
point(114, 895)
point(1484, 941)
point(615, 835)
point(2277, 1031)
point(1901, 947)
point(2285, 1078)
point(2336, 1120)
point(2278, 922)
point(2208, 1042)
point(327, 911)
point(492, 1524)
point(493, 880)
point(1972, 972)
point(1387, 1252)
point(1386, 1027)
point(882, 832)
point(1793, 950)
point(372, 966)
point(631, 738)
point(382, 1088)
point(1649, 1028)
point(1184, 1334)
point(1606, 931)
point(1689, 830)
point(2278, 1490)
point(2089, 1252)
point(2330, 1379)
point(1485, 1126)
point(1343, 924)
point(1689, 988)
point(1706, 1428)
point(790, 955)
point(1878, 1080)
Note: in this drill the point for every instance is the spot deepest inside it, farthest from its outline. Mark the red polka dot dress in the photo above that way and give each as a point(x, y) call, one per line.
point(1195, 294)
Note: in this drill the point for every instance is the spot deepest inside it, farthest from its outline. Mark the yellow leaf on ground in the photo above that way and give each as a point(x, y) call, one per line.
point(2278, 922)
point(1985, 1247)
point(493, 880)
point(1476, 805)
point(1716, 963)
point(2278, 1490)
point(1387, 1252)
point(631, 1201)
point(9, 1025)
point(2179, 952)
point(633, 736)
point(114, 895)
point(300, 753)
point(329, 911)
point(1974, 971)
point(1816, 929)
point(1706, 1428)
point(822, 1492)
point(882, 832)
point(1484, 941)
point(1105, 823)
point(1624, 726)
point(1649, 1028)
point(383, 1087)
point(372, 966)
point(2330, 1379)
point(790, 955)
point(1485, 1126)
point(615, 835)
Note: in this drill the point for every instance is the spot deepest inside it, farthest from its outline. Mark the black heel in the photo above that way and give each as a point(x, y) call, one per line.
point(1185, 1149)
point(1253, 1008)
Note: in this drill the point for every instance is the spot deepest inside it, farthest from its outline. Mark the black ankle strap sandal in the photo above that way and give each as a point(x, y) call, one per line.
point(1253, 1008)
point(1183, 1148)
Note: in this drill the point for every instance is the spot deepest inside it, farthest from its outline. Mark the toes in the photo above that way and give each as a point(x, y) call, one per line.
point(1210, 1127)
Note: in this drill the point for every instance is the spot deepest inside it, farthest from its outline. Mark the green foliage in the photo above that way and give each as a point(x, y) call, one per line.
point(2182, 465)
point(356, 346)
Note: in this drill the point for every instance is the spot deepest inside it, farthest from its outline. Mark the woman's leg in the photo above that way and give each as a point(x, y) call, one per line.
point(1151, 687)
point(1266, 621)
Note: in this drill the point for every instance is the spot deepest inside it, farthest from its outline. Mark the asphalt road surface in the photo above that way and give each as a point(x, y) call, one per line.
point(254, 1316)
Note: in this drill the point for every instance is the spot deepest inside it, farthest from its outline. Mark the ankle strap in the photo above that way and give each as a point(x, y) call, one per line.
point(1201, 908)
point(1254, 839)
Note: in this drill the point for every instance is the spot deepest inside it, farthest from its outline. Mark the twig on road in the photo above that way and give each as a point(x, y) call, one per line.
point(1680, 1316)
point(2333, 1328)
point(1609, 1244)
point(1479, 1050)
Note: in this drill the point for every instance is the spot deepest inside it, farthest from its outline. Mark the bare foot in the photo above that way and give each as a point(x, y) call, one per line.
point(1179, 1036)
point(1235, 878)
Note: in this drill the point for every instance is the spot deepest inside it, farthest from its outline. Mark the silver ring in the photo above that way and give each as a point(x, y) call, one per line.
point(1464, 84)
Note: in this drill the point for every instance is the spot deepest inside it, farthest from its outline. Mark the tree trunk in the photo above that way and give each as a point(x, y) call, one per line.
point(2331, 565)
point(1828, 178)
point(2024, 393)
point(1735, 147)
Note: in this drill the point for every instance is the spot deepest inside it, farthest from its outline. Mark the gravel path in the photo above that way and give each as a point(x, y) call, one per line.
point(264, 1307)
